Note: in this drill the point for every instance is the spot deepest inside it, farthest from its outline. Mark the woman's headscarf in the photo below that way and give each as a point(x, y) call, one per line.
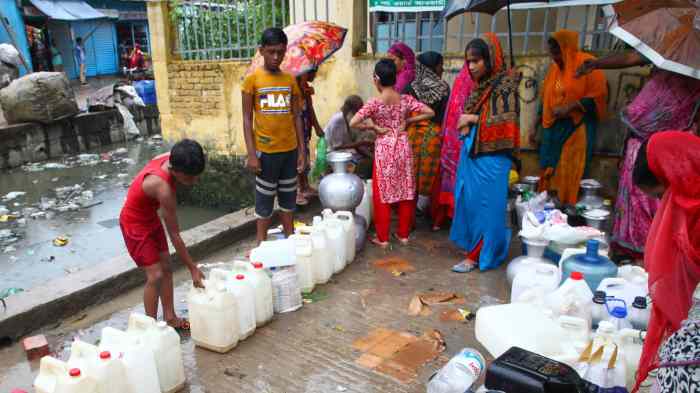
point(451, 144)
point(408, 73)
point(427, 85)
point(594, 85)
point(672, 251)
point(499, 124)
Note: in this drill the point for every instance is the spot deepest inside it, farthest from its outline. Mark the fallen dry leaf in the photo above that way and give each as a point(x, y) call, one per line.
point(415, 307)
point(437, 297)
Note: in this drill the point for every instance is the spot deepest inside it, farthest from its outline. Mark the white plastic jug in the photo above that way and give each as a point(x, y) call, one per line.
point(286, 293)
point(364, 209)
point(322, 263)
point(262, 284)
point(164, 341)
point(243, 290)
point(459, 374)
point(337, 240)
point(539, 275)
point(305, 261)
point(138, 358)
point(274, 253)
point(500, 327)
point(640, 312)
point(631, 342)
point(214, 321)
point(624, 289)
point(56, 377)
point(348, 220)
point(573, 298)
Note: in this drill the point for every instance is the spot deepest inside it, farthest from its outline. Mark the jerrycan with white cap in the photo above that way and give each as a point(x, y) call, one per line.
point(322, 267)
point(262, 286)
point(243, 290)
point(305, 261)
point(164, 341)
point(109, 372)
point(56, 376)
point(213, 316)
point(337, 240)
point(139, 360)
point(348, 220)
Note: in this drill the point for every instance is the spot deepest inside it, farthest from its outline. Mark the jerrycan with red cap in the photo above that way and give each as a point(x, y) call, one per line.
point(56, 377)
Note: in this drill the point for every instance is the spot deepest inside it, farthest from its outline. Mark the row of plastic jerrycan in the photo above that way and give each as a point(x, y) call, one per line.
point(561, 338)
point(146, 358)
point(622, 299)
point(233, 303)
point(317, 251)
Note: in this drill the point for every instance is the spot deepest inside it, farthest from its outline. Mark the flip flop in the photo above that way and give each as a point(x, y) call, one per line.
point(404, 242)
point(464, 267)
point(181, 325)
point(378, 242)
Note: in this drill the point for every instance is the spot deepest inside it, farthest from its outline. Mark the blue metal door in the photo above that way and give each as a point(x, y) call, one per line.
point(100, 43)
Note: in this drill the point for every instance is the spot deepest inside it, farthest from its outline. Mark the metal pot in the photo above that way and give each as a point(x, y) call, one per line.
point(360, 232)
point(341, 190)
point(590, 199)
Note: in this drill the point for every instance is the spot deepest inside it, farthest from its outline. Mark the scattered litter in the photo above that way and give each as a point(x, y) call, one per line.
point(457, 315)
point(9, 249)
point(122, 175)
point(487, 300)
point(338, 328)
point(313, 297)
point(87, 195)
point(341, 389)
point(3, 210)
point(54, 180)
point(22, 222)
point(55, 165)
point(122, 151)
point(30, 252)
point(63, 192)
point(48, 259)
point(7, 293)
point(101, 177)
point(88, 158)
point(38, 215)
point(13, 195)
point(35, 181)
point(394, 264)
point(14, 259)
point(7, 218)
point(61, 241)
point(128, 161)
point(420, 302)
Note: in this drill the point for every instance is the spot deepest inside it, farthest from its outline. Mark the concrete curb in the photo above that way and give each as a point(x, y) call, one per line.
point(66, 296)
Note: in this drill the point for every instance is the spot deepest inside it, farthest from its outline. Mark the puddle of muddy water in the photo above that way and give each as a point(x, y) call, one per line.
point(93, 233)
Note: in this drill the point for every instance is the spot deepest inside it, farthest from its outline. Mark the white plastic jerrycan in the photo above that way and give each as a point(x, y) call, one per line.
point(138, 358)
point(338, 242)
point(324, 250)
point(164, 341)
point(213, 317)
point(262, 285)
point(624, 289)
point(56, 377)
point(348, 220)
point(305, 261)
point(573, 298)
point(364, 209)
point(243, 290)
point(322, 269)
point(540, 275)
point(274, 253)
point(108, 372)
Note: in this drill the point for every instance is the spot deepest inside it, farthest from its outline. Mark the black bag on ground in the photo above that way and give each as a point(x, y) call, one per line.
point(42, 97)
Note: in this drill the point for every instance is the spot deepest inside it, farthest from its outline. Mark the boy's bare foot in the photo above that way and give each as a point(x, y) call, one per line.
point(179, 324)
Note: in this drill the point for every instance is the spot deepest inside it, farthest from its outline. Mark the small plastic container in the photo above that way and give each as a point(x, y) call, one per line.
point(640, 313)
point(617, 310)
point(598, 310)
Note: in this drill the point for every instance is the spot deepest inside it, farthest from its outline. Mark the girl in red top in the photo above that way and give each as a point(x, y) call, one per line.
point(144, 235)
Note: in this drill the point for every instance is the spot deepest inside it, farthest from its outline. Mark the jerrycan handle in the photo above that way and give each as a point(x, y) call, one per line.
point(611, 281)
point(52, 366)
point(82, 349)
point(140, 322)
point(217, 276)
point(344, 215)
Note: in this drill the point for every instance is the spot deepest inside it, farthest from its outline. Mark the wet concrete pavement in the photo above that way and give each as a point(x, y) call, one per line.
point(94, 235)
point(309, 350)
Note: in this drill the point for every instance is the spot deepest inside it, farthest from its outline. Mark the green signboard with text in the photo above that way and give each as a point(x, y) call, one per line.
point(406, 5)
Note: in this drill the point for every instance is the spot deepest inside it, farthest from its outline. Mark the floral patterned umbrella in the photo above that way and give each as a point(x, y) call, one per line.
point(310, 44)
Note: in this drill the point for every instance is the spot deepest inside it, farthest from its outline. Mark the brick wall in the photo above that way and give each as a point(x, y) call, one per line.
point(196, 89)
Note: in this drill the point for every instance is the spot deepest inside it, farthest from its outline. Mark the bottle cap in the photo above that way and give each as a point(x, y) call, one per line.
point(240, 277)
point(258, 265)
point(105, 355)
point(74, 372)
point(576, 276)
point(599, 297)
point(619, 312)
point(640, 302)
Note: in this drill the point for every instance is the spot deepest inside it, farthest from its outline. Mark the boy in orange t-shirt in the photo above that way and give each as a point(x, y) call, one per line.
point(273, 134)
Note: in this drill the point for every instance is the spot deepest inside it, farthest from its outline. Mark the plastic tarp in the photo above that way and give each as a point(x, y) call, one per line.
point(67, 10)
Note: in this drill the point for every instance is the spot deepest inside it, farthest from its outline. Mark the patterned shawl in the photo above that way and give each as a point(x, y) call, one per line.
point(496, 102)
point(428, 86)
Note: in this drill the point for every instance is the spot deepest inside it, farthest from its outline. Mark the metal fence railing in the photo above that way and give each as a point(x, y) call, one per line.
point(223, 29)
point(425, 31)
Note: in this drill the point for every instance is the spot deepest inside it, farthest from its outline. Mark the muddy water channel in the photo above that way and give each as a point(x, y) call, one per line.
point(67, 218)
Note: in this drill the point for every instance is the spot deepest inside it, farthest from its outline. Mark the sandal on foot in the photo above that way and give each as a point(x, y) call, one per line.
point(375, 240)
point(179, 324)
point(435, 228)
point(464, 267)
point(403, 241)
point(301, 201)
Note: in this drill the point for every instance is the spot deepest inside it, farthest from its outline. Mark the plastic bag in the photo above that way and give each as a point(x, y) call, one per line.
point(321, 162)
point(605, 368)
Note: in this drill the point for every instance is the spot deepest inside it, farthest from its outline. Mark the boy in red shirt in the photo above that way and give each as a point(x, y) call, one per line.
point(144, 235)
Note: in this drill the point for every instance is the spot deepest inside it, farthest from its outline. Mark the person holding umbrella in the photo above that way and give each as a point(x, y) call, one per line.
point(665, 102)
point(571, 110)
